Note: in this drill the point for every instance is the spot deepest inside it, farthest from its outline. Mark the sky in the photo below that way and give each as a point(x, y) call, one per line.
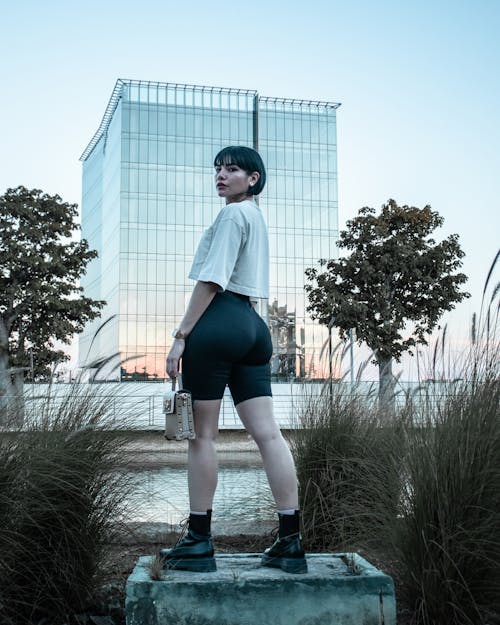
point(418, 84)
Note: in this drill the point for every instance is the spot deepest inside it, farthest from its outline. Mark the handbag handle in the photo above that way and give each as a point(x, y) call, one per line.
point(174, 381)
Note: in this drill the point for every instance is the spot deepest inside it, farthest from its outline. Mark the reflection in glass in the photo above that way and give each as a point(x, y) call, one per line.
point(286, 352)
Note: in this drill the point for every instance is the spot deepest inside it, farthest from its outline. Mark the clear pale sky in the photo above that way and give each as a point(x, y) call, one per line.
point(418, 82)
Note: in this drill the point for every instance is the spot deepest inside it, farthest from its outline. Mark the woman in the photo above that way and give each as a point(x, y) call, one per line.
point(222, 340)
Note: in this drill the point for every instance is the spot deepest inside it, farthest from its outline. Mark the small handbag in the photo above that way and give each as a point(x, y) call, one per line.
point(178, 409)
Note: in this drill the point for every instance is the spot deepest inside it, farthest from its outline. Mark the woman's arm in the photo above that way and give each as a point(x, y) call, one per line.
point(203, 293)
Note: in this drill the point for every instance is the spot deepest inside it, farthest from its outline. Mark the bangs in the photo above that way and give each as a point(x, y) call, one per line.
point(235, 155)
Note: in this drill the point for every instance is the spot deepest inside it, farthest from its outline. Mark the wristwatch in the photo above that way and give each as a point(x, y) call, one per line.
point(177, 334)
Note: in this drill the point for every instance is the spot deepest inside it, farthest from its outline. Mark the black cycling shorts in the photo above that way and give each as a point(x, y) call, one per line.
point(230, 344)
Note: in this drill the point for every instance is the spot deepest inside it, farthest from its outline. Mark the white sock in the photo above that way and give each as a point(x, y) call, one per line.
point(290, 512)
point(198, 513)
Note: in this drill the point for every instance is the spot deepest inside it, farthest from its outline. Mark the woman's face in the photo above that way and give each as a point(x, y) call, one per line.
point(232, 182)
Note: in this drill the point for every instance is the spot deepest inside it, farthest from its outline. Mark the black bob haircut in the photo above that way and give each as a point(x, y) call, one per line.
point(246, 158)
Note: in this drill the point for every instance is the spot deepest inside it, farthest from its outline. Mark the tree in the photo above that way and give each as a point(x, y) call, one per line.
point(395, 274)
point(40, 300)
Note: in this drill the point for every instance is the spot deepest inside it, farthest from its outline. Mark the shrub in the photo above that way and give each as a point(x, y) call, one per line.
point(59, 502)
point(346, 454)
point(448, 534)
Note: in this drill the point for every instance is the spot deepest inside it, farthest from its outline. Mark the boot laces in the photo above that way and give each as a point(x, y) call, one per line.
point(183, 526)
point(275, 533)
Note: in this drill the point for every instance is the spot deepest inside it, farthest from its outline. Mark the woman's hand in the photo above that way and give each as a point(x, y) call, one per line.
point(174, 356)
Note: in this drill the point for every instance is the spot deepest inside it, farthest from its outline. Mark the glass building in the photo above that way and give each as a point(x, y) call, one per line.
point(148, 194)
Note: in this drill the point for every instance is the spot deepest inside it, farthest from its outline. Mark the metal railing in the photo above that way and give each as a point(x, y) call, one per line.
point(141, 407)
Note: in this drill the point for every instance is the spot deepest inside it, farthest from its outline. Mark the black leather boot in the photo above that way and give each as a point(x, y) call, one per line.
point(286, 553)
point(195, 551)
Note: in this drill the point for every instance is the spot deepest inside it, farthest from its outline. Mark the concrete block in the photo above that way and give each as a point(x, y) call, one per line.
point(240, 592)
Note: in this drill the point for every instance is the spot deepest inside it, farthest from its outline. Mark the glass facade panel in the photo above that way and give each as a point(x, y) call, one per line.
point(302, 215)
point(148, 194)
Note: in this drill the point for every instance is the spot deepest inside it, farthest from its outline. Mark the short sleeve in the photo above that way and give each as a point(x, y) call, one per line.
point(223, 253)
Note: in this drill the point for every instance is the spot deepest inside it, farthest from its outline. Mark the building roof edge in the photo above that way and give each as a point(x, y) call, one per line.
point(117, 93)
point(301, 101)
point(106, 118)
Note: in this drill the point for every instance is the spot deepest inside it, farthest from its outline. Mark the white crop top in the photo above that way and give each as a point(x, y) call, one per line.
point(234, 251)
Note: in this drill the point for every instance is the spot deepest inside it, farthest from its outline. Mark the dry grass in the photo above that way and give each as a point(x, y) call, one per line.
point(348, 472)
point(60, 499)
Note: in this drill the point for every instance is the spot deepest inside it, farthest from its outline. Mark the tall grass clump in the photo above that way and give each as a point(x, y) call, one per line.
point(60, 500)
point(346, 453)
point(447, 535)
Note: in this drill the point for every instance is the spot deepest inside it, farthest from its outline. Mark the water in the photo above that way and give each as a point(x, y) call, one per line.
point(160, 494)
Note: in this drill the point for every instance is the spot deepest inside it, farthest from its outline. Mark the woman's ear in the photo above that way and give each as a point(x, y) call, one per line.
point(254, 177)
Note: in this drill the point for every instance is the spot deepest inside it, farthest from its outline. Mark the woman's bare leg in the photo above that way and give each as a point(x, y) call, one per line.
point(202, 457)
point(257, 416)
